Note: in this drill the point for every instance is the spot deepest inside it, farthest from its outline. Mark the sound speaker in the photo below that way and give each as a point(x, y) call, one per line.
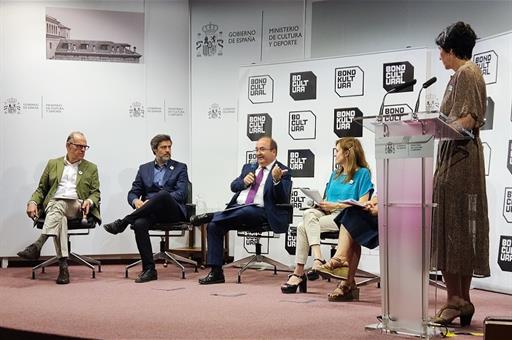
point(497, 327)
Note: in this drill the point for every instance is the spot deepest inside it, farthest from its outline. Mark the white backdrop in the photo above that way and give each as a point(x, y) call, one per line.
point(492, 54)
point(94, 97)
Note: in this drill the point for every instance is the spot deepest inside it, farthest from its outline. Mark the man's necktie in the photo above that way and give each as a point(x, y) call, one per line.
point(254, 187)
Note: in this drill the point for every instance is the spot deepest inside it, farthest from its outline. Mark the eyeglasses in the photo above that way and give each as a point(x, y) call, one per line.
point(80, 146)
point(262, 149)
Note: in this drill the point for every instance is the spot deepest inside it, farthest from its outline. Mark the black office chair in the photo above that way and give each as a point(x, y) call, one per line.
point(76, 227)
point(174, 229)
point(263, 231)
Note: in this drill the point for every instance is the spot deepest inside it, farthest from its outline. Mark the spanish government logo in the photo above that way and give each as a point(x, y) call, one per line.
point(209, 42)
point(12, 106)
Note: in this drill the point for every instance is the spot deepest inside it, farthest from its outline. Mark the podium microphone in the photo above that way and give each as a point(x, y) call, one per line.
point(424, 86)
point(397, 88)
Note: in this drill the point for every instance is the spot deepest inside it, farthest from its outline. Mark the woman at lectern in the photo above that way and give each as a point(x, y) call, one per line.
point(351, 180)
point(460, 226)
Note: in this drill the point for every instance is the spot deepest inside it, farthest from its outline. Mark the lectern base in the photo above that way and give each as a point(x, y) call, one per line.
point(378, 327)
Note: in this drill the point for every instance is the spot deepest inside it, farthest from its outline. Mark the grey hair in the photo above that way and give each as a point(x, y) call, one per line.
point(71, 136)
point(157, 140)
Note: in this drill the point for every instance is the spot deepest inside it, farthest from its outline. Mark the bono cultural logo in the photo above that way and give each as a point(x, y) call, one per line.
point(250, 157)
point(390, 110)
point(302, 125)
point(344, 125)
point(210, 42)
point(259, 125)
point(505, 253)
point(349, 81)
point(303, 85)
point(507, 205)
point(488, 63)
point(298, 201)
point(394, 74)
point(301, 163)
point(261, 89)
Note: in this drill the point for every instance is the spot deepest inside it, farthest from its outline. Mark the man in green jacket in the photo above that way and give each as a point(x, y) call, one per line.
point(68, 188)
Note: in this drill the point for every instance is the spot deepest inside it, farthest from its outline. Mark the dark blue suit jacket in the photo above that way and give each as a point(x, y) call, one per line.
point(175, 183)
point(272, 195)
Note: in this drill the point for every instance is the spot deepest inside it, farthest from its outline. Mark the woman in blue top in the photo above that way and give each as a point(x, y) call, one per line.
point(352, 180)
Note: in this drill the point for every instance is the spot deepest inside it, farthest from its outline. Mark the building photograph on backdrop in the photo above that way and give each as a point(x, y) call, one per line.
point(94, 35)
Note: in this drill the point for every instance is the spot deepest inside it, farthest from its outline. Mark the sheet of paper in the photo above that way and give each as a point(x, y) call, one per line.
point(312, 194)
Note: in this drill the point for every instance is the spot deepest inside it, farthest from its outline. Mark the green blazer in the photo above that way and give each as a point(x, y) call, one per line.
point(87, 184)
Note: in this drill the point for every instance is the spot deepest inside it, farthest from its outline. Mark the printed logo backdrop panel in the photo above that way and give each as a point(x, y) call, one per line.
point(314, 103)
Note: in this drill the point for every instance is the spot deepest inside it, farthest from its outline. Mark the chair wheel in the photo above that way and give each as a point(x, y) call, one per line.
point(165, 264)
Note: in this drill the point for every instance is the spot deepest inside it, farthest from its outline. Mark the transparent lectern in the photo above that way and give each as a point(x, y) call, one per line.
point(404, 150)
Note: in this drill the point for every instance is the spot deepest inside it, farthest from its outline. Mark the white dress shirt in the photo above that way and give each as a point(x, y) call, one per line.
point(67, 184)
point(258, 199)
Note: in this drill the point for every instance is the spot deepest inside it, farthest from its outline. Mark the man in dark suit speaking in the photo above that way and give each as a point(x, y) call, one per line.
point(258, 189)
point(158, 194)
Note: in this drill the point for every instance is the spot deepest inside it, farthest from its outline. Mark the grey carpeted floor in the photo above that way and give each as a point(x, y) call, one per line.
point(113, 307)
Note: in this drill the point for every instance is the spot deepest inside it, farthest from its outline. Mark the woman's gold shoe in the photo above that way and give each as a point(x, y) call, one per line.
point(344, 292)
point(336, 268)
point(446, 315)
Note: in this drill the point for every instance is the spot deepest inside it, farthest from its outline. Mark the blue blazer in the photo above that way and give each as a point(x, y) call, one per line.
point(175, 183)
point(272, 195)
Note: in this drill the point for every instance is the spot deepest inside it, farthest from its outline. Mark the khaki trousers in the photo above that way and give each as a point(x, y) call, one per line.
point(56, 223)
point(314, 222)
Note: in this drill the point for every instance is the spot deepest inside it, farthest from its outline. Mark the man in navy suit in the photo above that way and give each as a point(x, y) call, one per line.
point(158, 194)
point(257, 191)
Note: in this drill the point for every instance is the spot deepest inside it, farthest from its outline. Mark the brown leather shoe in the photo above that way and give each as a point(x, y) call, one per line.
point(30, 253)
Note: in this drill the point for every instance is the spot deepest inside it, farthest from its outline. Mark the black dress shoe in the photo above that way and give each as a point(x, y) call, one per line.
point(30, 253)
point(201, 219)
point(212, 277)
point(147, 275)
point(63, 277)
point(116, 227)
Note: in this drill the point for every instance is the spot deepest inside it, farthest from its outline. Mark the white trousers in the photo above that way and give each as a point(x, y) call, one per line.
point(56, 223)
point(314, 222)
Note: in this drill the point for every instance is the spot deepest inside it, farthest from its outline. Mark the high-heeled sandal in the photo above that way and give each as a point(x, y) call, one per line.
point(336, 268)
point(344, 292)
point(447, 314)
point(313, 274)
point(287, 288)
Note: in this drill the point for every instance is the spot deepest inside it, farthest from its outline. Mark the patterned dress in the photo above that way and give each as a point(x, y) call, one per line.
point(460, 226)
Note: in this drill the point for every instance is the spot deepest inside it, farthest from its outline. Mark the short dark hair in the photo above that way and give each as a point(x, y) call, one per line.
point(273, 144)
point(458, 38)
point(155, 141)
